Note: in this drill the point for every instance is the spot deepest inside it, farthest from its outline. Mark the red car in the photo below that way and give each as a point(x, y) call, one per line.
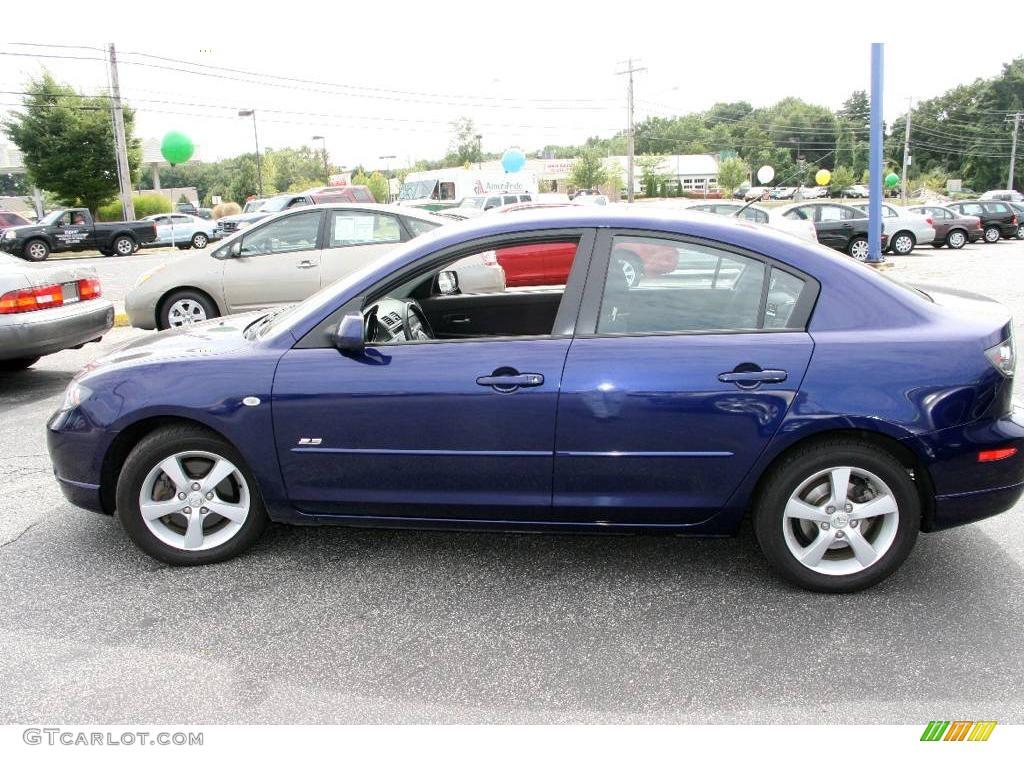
point(549, 263)
point(10, 219)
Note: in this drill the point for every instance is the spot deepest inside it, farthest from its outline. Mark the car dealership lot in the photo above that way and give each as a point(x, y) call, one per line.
point(318, 625)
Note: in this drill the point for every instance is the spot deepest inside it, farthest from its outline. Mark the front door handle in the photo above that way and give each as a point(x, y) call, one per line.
point(305, 264)
point(510, 382)
point(753, 379)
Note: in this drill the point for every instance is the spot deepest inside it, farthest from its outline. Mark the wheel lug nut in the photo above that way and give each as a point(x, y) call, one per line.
point(209, 495)
point(839, 534)
point(853, 523)
point(825, 526)
point(195, 486)
point(181, 496)
point(831, 510)
point(849, 507)
point(187, 510)
point(204, 510)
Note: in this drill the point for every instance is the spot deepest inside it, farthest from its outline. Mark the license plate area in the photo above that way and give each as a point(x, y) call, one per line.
point(70, 291)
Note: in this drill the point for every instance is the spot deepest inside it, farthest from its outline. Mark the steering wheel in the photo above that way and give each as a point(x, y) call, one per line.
point(414, 323)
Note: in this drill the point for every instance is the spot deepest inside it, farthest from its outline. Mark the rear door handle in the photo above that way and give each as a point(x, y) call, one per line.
point(752, 379)
point(510, 382)
point(305, 264)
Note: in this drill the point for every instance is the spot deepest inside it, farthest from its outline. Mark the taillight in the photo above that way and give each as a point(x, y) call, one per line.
point(997, 454)
point(1013, 219)
point(1002, 356)
point(31, 299)
point(89, 288)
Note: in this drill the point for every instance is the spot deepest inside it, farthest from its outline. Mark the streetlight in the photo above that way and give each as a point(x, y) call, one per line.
point(259, 169)
point(323, 142)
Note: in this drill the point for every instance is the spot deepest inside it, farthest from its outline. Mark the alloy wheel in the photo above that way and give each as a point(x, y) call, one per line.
point(185, 312)
point(859, 250)
point(840, 521)
point(957, 239)
point(194, 500)
point(199, 240)
point(903, 245)
point(37, 251)
point(992, 235)
point(124, 246)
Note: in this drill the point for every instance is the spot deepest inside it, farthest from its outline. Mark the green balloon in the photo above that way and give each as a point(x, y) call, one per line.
point(177, 148)
point(892, 180)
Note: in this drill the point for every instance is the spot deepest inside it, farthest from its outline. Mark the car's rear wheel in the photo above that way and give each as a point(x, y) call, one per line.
point(1020, 231)
point(992, 234)
point(17, 364)
point(123, 245)
point(185, 497)
point(858, 248)
point(838, 516)
point(902, 243)
point(956, 239)
point(186, 308)
point(36, 250)
point(200, 240)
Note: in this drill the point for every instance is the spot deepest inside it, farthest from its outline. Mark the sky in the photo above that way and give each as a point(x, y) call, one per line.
point(379, 79)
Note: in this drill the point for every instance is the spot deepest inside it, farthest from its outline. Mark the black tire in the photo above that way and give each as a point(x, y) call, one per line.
point(123, 245)
point(956, 239)
point(902, 243)
point(106, 251)
point(992, 234)
point(17, 364)
point(795, 470)
point(153, 449)
point(163, 314)
point(858, 246)
point(937, 245)
point(35, 250)
point(200, 240)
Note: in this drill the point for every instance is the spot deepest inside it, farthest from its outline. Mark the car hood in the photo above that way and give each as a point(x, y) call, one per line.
point(212, 338)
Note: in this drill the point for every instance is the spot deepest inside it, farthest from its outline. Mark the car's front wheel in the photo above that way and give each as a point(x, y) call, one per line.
point(838, 516)
point(36, 250)
point(185, 308)
point(185, 497)
point(992, 234)
point(902, 243)
point(1020, 231)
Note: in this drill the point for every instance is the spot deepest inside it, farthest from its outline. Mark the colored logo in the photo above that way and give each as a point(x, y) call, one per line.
point(958, 730)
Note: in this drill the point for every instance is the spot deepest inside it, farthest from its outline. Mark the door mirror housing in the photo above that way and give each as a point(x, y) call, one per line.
point(348, 338)
point(448, 282)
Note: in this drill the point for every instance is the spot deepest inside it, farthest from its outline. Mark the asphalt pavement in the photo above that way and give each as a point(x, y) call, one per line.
point(343, 625)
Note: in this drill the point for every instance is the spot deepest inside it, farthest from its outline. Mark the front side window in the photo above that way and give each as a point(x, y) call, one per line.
point(362, 228)
point(684, 287)
point(285, 235)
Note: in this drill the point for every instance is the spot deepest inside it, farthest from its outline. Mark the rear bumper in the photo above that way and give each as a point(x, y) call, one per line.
point(50, 330)
point(966, 489)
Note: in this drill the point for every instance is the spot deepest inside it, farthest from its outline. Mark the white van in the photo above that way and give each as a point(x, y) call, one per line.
point(444, 188)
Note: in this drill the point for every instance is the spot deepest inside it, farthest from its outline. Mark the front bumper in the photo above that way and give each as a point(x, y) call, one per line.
point(140, 306)
point(46, 331)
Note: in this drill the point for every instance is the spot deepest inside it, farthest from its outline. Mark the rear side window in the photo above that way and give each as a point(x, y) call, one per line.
point(784, 292)
point(753, 214)
point(996, 207)
point(419, 227)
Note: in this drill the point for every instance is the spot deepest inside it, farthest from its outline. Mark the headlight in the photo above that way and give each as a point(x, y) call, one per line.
point(1002, 357)
point(74, 395)
point(10, 234)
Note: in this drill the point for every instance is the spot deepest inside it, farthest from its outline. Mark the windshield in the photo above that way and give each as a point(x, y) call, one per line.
point(472, 202)
point(50, 218)
point(274, 204)
point(416, 190)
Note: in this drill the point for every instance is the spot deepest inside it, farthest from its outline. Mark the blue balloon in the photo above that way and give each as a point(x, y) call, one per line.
point(513, 160)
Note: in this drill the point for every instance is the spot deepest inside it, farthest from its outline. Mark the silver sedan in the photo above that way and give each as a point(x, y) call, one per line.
point(44, 309)
point(285, 258)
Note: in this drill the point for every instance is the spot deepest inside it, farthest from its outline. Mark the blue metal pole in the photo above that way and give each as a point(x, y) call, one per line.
point(875, 161)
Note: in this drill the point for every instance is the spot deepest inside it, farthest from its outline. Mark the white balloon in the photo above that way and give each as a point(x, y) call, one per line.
point(765, 174)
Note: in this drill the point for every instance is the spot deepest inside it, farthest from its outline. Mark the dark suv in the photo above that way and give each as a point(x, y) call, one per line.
point(998, 219)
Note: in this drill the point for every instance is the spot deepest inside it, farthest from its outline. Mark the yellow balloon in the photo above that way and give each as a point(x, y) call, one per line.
point(823, 177)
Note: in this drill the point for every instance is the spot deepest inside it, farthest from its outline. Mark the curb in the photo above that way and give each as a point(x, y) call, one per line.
point(121, 320)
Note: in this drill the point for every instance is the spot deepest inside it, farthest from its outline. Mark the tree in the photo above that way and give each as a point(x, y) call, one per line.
point(652, 179)
point(464, 147)
point(842, 177)
point(732, 172)
point(588, 172)
point(377, 184)
point(67, 141)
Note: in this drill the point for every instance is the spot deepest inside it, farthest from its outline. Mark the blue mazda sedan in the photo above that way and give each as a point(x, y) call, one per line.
point(763, 375)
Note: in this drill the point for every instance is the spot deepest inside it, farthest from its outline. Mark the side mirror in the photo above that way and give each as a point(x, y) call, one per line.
point(349, 336)
point(236, 249)
point(448, 282)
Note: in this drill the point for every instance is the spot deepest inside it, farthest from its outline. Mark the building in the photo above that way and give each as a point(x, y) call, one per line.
point(690, 173)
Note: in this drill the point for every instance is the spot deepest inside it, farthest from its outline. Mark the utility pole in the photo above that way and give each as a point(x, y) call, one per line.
point(630, 69)
point(906, 153)
point(124, 178)
point(1013, 152)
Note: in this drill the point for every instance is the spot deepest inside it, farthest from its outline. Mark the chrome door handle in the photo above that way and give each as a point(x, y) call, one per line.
point(307, 264)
